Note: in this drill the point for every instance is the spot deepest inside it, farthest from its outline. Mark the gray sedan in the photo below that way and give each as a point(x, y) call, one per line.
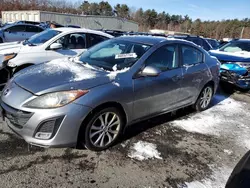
point(90, 99)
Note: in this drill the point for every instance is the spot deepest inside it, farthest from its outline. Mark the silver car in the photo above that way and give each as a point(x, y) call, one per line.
point(90, 99)
point(18, 32)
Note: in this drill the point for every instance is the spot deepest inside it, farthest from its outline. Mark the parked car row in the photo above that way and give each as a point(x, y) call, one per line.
point(68, 86)
point(89, 98)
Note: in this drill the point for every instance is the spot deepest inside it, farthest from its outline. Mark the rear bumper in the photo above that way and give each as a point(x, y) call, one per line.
point(239, 81)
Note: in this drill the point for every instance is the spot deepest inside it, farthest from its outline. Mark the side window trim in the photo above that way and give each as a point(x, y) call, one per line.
point(181, 55)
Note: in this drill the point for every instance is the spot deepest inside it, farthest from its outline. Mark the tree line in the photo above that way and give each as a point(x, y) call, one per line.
point(147, 19)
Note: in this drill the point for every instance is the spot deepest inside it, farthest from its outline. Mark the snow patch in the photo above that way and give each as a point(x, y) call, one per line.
point(143, 151)
point(59, 66)
point(229, 152)
point(116, 84)
point(207, 122)
point(218, 180)
point(79, 72)
point(114, 67)
point(113, 74)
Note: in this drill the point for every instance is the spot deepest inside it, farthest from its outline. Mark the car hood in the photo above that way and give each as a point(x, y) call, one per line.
point(231, 56)
point(61, 74)
point(233, 68)
point(10, 47)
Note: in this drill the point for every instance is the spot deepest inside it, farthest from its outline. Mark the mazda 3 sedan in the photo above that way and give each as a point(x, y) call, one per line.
point(91, 98)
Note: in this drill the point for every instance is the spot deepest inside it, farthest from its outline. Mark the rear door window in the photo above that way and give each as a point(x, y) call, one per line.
point(191, 55)
point(31, 29)
point(16, 28)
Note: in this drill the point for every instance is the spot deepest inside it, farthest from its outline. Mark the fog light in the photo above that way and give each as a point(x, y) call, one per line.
point(44, 136)
point(48, 129)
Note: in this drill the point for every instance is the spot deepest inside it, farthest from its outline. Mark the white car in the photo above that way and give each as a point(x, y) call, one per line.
point(18, 32)
point(49, 45)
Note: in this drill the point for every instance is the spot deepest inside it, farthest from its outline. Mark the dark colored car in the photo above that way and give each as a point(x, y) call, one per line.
point(115, 33)
point(240, 177)
point(235, 59)
point(73, 26)
point(213, 42)
point(195, 39)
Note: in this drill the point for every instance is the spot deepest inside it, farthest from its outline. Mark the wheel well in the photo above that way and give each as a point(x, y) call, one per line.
point(211, 82)
point(98, 108)
point(22, 67)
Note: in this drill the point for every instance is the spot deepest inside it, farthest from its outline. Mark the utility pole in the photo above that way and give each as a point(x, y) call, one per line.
point(242, 31)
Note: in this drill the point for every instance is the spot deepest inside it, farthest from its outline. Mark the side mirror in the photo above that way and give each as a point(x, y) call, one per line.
point(150, 71)
point(55, 46)
point(240, 177)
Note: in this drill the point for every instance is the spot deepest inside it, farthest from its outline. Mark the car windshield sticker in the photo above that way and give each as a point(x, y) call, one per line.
point(123, 56)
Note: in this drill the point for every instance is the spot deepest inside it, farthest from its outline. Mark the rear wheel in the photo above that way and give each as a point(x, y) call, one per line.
point(204, 98)
point(103, 129)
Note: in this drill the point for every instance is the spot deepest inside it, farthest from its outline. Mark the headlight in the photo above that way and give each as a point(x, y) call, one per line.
point(55, 100)
point(7, 57)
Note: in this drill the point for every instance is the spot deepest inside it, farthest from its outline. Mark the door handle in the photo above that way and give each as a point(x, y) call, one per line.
point(176, 78)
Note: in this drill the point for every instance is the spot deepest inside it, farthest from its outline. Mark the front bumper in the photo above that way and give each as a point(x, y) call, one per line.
point(26, 124)
point(239, 81)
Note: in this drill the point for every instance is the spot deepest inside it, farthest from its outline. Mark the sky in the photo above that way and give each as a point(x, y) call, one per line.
point(203, 9)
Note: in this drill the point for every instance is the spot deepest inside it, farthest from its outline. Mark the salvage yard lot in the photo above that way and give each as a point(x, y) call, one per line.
point(186, 149)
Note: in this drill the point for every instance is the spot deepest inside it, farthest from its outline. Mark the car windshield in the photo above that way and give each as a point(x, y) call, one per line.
point(114, 54)
point(42, 37)
point(236, 46)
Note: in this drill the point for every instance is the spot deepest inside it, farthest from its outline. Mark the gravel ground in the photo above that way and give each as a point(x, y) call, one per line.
point(180, 150)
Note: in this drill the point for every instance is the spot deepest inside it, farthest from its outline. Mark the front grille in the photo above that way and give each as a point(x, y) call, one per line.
point(17, 117)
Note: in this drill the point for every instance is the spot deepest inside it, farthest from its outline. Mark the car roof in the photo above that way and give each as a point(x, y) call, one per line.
point(73, 30)
point(150, 40)
point(240, 40)
point(14, 24)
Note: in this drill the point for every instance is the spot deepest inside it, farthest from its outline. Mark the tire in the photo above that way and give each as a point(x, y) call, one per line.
point(1, 40)
point(204, 99)
point(95, 127)
point(227, 87)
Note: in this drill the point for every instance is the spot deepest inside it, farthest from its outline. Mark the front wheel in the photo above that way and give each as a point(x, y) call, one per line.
point(103, 129)
point(204, 98)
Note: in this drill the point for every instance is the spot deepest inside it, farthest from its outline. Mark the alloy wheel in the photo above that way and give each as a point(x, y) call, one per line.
point(206, 97)
point(104, 129)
